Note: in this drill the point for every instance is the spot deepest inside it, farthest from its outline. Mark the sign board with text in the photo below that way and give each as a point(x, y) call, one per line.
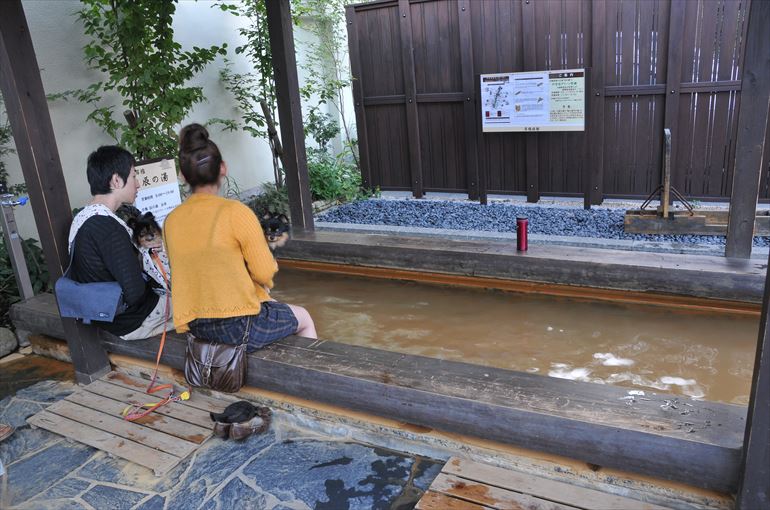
point(533, 101)
point(158, 188)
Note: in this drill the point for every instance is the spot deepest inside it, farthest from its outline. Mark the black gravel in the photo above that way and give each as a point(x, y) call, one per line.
point(501, 217)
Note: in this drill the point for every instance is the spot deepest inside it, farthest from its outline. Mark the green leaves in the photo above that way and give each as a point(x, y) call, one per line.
point(132, 43)
point(38, 274)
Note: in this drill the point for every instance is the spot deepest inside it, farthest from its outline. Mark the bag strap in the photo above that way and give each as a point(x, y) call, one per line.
point(72, 257)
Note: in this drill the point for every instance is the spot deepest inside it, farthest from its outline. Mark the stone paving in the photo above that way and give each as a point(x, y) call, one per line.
point(282, 469)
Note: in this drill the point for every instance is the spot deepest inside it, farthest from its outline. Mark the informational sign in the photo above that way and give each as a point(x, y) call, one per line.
point(158, 188)
point(533, 101)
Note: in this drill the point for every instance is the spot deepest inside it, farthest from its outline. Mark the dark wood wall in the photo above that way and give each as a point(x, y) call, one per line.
point(413, 82)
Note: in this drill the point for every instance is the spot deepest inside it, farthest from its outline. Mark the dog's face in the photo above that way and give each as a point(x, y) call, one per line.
point(147, 232)
point(276, 228)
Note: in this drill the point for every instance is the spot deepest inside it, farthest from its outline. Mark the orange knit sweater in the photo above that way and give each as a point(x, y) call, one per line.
point(220, 261)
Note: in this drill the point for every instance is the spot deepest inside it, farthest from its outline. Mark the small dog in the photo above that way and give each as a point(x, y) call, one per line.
point(147, 232)
point(148, 238)
point(277, 229)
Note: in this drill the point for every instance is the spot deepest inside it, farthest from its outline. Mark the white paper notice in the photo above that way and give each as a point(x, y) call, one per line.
point(533, 101)
point(158, 188)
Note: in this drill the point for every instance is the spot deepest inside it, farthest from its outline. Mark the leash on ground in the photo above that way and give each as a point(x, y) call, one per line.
point(136, 411)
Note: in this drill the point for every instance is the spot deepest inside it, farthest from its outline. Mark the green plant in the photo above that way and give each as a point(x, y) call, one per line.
point(272, 199)
point(38, 273)
point(5, 148)
point(132, 42)
point(327, 67)
point(332, 178)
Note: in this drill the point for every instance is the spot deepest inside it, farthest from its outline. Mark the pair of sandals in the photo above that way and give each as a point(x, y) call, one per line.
point(240, 420)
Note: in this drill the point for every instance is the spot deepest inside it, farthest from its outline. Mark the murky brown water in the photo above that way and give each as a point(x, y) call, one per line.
point(26, 371)
point(651, 348)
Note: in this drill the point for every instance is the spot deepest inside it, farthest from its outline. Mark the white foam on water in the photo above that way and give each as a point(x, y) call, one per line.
point(549, 328)
point(610, 360)
point(678, 381)
point(575, 374)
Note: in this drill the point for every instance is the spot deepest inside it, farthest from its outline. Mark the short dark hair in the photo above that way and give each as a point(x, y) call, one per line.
point(103, 163)
point(199, 157)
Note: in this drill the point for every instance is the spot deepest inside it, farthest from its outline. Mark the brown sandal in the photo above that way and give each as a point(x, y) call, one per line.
point(5, 431)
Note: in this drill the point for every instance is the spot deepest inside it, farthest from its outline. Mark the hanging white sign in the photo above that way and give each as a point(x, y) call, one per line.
point(158, 188)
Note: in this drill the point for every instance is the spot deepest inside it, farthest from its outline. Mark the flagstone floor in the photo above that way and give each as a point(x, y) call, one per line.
point(281, 469)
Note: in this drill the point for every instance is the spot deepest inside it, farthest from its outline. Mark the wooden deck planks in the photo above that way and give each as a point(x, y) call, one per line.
point(490, 496)
point(437, 501)
point(132, 451)
point(159, 441)
point(479, 485)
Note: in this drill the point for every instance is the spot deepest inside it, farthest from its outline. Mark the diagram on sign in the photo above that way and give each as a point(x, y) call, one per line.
point(534, 101)
point(496, 95)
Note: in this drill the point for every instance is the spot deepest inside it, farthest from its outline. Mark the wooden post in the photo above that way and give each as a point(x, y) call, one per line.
point(754, 488)
point(36, 146)
point(674, 76)
point(596, 104)
point(279, 24)
point(358, 97)
point(469, 105)
point(530, 64)
point(750, 135)
point(410, 98)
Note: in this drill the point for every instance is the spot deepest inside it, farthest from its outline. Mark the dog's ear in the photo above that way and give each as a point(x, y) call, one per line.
point(267, 216)
point(283, 219)
point(131, 222)
point(148, 216)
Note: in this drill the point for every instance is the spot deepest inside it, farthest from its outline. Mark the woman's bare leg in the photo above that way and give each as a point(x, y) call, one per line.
point(306, 327)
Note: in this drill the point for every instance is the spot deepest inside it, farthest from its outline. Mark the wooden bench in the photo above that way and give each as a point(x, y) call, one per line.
point(698, 444)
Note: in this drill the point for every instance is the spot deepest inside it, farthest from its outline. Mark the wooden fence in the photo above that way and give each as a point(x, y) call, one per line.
point(651, 64)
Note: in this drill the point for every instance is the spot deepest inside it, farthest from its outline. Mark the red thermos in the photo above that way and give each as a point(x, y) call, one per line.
point(521, 233)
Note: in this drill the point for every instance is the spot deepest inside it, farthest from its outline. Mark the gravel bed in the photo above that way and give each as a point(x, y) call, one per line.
point(597, 222)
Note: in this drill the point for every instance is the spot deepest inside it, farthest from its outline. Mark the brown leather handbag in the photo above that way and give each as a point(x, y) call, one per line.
point(217, 366)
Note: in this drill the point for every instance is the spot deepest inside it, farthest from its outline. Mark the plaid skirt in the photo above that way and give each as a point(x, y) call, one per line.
point(275, 321)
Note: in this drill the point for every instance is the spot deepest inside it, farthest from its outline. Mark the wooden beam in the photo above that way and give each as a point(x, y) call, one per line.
point(754, 489)
point(676, 26)
point(750, 135)
point(595, 126)
point(711, 277)
point(279, 24)
point(410, 91)
point(358, 98)
point(529, 42)
point(33, 134)
point(469, 102)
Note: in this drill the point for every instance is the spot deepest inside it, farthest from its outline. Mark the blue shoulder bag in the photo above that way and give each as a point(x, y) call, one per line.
point(98, 301)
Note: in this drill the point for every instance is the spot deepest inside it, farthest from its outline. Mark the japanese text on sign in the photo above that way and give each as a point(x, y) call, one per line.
point(158, 188)
point(533, 101)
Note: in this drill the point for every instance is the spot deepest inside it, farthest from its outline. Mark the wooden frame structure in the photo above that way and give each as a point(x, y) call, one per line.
point(25, 100)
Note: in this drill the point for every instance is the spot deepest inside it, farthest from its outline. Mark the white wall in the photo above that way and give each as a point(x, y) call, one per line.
point(58, 40)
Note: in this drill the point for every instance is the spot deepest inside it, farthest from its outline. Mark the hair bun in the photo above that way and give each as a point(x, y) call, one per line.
point(193, 137)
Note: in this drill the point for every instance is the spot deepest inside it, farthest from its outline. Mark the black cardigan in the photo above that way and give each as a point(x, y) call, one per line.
point(104, 253)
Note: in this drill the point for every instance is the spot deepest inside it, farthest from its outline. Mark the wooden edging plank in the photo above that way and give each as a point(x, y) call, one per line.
point(195, 417)
point(490, 496)
point(197, 400)
point(154, 438)
point(156, 420)
point(541, 487)
point(132, 451)
point(438, 501)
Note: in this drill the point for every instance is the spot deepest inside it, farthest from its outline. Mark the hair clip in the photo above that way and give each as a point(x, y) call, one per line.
point(203, 160)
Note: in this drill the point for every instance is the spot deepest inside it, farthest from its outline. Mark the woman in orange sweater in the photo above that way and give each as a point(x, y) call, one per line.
point(221, 266)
